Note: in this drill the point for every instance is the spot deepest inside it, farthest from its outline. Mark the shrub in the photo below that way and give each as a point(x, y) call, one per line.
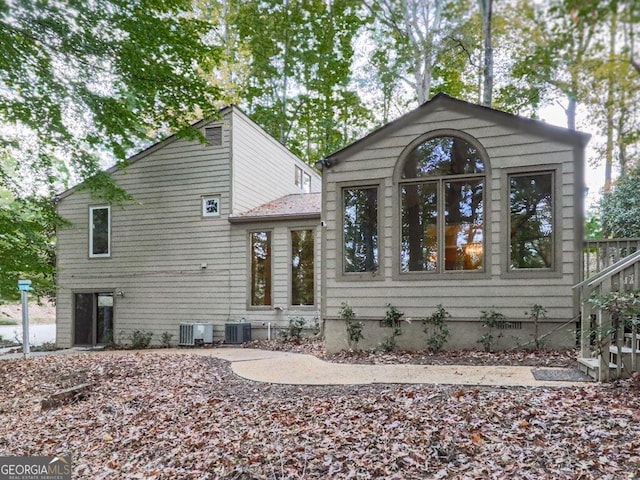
point(436, 328)
point(165, 339)
point(140, 339)
point(537, 312)
point(491, 319)
point(354, 328)
point(293, 332)
point(392, 319)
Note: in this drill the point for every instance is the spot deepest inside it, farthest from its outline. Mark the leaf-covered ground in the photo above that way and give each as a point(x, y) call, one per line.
point(187, 416)
point(542, 358)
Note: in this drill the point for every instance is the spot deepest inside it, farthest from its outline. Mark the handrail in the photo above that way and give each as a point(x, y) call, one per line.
point(610, 270)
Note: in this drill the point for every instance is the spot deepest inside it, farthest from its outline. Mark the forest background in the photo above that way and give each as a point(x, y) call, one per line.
point(83, 85)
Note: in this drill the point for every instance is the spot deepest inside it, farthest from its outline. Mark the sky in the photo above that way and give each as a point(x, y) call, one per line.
point(594, 176)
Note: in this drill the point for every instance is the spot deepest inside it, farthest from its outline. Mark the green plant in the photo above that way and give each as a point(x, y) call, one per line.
point(436, 328)
point(165, 339)
point(537, 312)
point(392, 319)
point(491, 319)
point(354, 328)
point(293, 332)
point(140, 339)
point(624, 308)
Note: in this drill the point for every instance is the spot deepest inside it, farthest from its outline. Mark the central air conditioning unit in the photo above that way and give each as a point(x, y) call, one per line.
point(195, 334)
point(237, 333)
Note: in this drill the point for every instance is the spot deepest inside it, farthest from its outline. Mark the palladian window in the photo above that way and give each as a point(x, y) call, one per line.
point(442, 193)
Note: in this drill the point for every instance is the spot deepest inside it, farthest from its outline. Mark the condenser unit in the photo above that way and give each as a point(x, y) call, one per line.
point(192, 334)
point(236, 333)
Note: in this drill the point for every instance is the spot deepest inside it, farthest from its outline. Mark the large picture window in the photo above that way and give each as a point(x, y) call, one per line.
point(360, 229)
point(442, 190)
point(260, 268)
point(302, 267)
point(99, 231)
point(531, 221)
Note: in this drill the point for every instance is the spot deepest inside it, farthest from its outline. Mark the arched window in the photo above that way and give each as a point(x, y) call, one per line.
point(442, 196)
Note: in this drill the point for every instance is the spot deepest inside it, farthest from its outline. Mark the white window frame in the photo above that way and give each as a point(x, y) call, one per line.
point(91, 210)
point(204, 205)
point(298, 177)
point(306, 182)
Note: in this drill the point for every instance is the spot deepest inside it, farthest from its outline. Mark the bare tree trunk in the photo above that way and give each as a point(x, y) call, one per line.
point(487, 91)
point(613, 32)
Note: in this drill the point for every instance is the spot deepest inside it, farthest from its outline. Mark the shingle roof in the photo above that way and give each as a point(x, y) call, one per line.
point(296, 205)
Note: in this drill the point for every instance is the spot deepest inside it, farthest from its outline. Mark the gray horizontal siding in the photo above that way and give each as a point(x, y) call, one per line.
point(160, 241)
point(262, 169)
point(463, 296)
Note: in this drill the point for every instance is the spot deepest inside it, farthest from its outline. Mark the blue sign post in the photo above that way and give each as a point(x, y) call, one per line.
point(25, 287)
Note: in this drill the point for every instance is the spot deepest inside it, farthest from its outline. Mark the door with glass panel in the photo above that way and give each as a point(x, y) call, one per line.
point(93, 318)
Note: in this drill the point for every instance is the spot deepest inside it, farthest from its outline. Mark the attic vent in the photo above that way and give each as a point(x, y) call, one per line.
point(509, 325)
point(213, 135)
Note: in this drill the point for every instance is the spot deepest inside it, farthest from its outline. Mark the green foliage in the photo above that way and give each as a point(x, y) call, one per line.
point(165, 339)
point(354, 328)
point(491, 319)
point(620, 208)
point(27, 245)
point(293, 331)
point(436, 329)
point(537, 313)
point(593, 226)
point(81, 82)
point(393, 316)
point(294, 65)
point(140, 339)
point(392, 319)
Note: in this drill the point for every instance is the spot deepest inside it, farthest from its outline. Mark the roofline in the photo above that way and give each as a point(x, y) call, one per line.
point(562, 134)
point(274, 218)
point(153, 148)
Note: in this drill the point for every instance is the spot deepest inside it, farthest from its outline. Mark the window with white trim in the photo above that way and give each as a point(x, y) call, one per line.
point(302, 180)
point(99, 231)
point(211, 206)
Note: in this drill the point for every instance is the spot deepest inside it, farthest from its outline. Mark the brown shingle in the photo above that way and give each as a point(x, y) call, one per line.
point(305, 205)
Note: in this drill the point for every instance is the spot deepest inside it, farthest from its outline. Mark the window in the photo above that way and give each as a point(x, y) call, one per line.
point(260, 268)
point(302, 267)
point(211, 206)
point(302, 180)
point(99, 231)
point(213, 136)
point(442, 205)
point(531, 221)
point(360, 229)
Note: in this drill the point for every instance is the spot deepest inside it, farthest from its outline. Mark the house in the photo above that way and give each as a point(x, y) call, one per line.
point(222, 232)
point(458, 205)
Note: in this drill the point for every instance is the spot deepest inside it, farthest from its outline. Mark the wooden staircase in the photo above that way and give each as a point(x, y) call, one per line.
point(609, 346)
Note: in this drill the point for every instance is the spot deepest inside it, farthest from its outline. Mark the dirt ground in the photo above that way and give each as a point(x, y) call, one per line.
point(39, 314)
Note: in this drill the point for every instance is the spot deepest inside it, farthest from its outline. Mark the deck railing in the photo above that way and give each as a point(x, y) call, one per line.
point(602, 253)
point(606, 340)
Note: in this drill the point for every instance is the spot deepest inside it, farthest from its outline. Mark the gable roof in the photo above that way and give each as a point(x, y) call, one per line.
point(296, 205)
point(442, 100)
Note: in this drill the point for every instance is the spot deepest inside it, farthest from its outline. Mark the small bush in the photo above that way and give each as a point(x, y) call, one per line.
point(436, 328)
point(537, 312)
point(491, 319)
point(140, 339)
point(354, 328)
point(165, 339)
point(392, 319)
point(293, 332)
